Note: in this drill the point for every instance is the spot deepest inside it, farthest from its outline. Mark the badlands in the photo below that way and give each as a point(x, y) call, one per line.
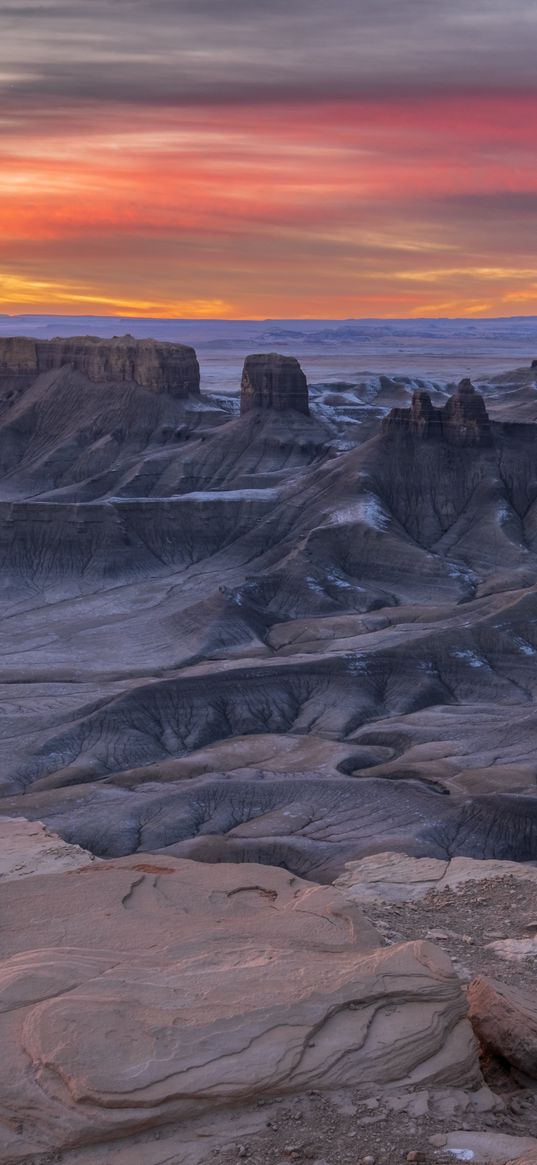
point(268, 806)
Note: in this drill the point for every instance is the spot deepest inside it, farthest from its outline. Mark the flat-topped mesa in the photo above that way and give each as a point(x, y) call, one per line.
point(462, 421)
point(271, 381)
point(152, 364)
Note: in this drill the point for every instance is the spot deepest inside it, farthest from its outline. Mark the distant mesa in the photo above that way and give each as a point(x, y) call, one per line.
point(152, 364)
point(271, 381)
point(463, 420)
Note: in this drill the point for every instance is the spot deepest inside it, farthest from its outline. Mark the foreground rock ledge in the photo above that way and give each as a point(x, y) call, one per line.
point(140, 992)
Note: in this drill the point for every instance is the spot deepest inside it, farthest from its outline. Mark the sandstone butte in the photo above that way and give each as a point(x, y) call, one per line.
point(271, 381)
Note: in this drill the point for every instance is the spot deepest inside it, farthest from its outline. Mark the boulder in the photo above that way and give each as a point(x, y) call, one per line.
point(142, 992)
point(504, 1018)
point(271, 381)
point(151, 364)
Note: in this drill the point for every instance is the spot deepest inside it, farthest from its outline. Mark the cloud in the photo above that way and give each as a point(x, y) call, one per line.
point(187, 51)
point(294, 157)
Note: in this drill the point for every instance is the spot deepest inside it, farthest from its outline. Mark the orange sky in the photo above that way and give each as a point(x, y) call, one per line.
point(383, 201)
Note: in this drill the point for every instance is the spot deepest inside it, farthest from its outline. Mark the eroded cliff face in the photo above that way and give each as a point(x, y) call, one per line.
point(151, 364)
point(271, 381)
point(462, 421)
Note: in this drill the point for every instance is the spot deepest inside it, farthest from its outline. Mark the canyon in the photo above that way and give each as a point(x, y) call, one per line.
point(254, 642)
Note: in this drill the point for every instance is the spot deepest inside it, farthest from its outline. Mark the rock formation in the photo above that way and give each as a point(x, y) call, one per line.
point(463, 420)
point(158, 990)
point(151, 364)
point(270, 381)
point(504, 1018)
point(395, 877)
point(28, 848)
point(277, 645)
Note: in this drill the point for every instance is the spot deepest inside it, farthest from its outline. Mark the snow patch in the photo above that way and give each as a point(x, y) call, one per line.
point(314, 586)
point(523, 646)
point(230, 495)
point(469, 657)
point(356, 664)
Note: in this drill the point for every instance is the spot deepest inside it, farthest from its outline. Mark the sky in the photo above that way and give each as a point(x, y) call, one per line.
point(268, 158)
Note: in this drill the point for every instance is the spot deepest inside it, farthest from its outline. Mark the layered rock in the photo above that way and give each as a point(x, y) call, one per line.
point(396, 877)
point(504, 1018)
point(271, 381)
point(28, 848)
point(203, 987)
point(464, 417)
point(151, 364)
point(462, 421)
point(422, 419)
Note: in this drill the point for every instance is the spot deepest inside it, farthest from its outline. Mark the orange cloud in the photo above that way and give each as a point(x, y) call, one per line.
point(308, 209)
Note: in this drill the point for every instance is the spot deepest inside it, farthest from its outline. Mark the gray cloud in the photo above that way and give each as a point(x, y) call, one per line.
point(187, 51)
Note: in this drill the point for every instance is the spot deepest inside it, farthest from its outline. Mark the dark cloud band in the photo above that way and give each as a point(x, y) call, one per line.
point(183, 51)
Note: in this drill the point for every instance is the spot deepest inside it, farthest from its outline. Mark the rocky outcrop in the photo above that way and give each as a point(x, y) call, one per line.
point(396, 877)
point(463, 420)
point(504, 1018)
point(464, 417)
point(151, 364)
point(157, 990)
point(422, 419)
point(28, 847)
point(271, 381)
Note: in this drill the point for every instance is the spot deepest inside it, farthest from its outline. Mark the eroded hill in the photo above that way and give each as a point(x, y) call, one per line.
point(296, 635)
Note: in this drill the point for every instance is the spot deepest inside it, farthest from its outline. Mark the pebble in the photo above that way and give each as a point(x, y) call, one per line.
point(368, 1160)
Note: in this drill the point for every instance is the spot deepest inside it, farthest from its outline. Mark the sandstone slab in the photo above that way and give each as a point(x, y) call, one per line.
point(144, 992)
point(28, 847)
point(396, 877)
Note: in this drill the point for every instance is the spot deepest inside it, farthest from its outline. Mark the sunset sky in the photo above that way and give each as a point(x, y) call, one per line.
point(269, 158)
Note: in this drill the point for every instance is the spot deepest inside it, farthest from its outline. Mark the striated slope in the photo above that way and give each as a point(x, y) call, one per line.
point(179, 582)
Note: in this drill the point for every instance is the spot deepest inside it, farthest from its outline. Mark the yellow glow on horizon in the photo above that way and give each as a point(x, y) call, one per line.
point(16, 290)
